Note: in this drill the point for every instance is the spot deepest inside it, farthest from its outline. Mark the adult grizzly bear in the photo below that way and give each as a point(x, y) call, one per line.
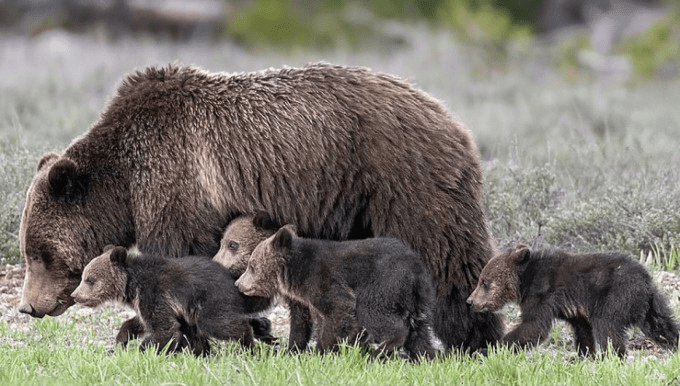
point(341, 152)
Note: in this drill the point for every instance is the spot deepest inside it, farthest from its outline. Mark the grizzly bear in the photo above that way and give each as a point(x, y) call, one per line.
point(375, 290)
point(180, 302)
point(599, 295)
point(240, 238)
point(341, 152)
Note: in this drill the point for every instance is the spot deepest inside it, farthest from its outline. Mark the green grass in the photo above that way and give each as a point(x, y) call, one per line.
point(56, 351)
point(662, 258)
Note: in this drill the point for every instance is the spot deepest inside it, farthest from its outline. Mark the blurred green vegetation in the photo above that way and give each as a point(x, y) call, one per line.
point(491, 25)
point(651, 51)
point(327, 23)
point(497, 29)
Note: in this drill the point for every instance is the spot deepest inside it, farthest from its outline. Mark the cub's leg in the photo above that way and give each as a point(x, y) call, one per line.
point(583, 336)
point(131, 329)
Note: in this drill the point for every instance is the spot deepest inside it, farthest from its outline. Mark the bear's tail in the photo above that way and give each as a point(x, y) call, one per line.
point(419, 340)
point(659, 324)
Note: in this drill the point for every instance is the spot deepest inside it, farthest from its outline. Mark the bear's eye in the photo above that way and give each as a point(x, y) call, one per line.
point(89, 281)
point(485, 285)
point(233, 245)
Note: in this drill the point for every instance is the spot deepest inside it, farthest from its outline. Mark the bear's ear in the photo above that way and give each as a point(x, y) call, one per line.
point(521, 254)
point(283, 239)
point(67, 183)
point(45, 158)
point(263, 220)
point(118, 256)
point(291, 228)
point(108, 247)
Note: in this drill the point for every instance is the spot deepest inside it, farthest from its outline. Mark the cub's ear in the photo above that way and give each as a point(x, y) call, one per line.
point(67, 183)
point(283, 239)
point(263, 220)
point(291, 228)
point(521, 253)
point(119, 256)
point(108, 247)
point(46, 158)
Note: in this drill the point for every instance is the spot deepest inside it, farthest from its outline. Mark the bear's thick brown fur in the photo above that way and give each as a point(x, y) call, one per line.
point(341, 152)
point(599, 295)
point(180, 302)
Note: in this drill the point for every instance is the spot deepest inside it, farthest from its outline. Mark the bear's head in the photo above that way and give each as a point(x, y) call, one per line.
point(262, 275)
point(241, 237)
point(499, 281)
point(68, 217)
point(46, 236)
point(104, 278)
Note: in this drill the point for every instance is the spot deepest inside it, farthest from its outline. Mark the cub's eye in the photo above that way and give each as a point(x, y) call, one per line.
point(89, 281)
point(485, 285)
point(233, 245)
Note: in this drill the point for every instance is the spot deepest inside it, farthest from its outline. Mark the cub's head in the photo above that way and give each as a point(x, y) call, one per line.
point(499, 281)
point(261, 277)
point(240, 239)
point(104, 278)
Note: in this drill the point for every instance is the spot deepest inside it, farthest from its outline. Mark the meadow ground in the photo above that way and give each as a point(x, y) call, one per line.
point(571, 160)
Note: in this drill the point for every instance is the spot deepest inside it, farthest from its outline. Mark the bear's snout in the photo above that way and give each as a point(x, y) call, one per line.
point(76, 296)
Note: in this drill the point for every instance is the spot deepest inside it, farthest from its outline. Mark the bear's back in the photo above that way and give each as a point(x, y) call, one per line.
point(579, 276)
point(187, 279)
point(362, 262)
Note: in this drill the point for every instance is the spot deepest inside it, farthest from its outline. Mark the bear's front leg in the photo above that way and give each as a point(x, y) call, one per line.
point(131, 329)
point(529, 333)
point(584, 339)
point(300, 326)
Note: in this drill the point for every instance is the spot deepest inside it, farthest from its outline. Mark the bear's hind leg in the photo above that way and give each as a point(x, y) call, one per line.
point(262, 329)
point(189, 337)
point(610, 329)
point(659, 323)
point(229, 327)
point(162, 335)
point(131, 329)
point(388, 331)
point(338, 312)
point(419, 342)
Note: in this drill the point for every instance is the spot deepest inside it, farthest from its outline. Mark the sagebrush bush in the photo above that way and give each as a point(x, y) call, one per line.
point(531, 204)
point(17, 166)
point(519, 202)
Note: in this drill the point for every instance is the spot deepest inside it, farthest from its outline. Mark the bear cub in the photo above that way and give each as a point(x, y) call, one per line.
point(183, 302)
point(239, 240)
point(599, 295)
point(374, 290)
